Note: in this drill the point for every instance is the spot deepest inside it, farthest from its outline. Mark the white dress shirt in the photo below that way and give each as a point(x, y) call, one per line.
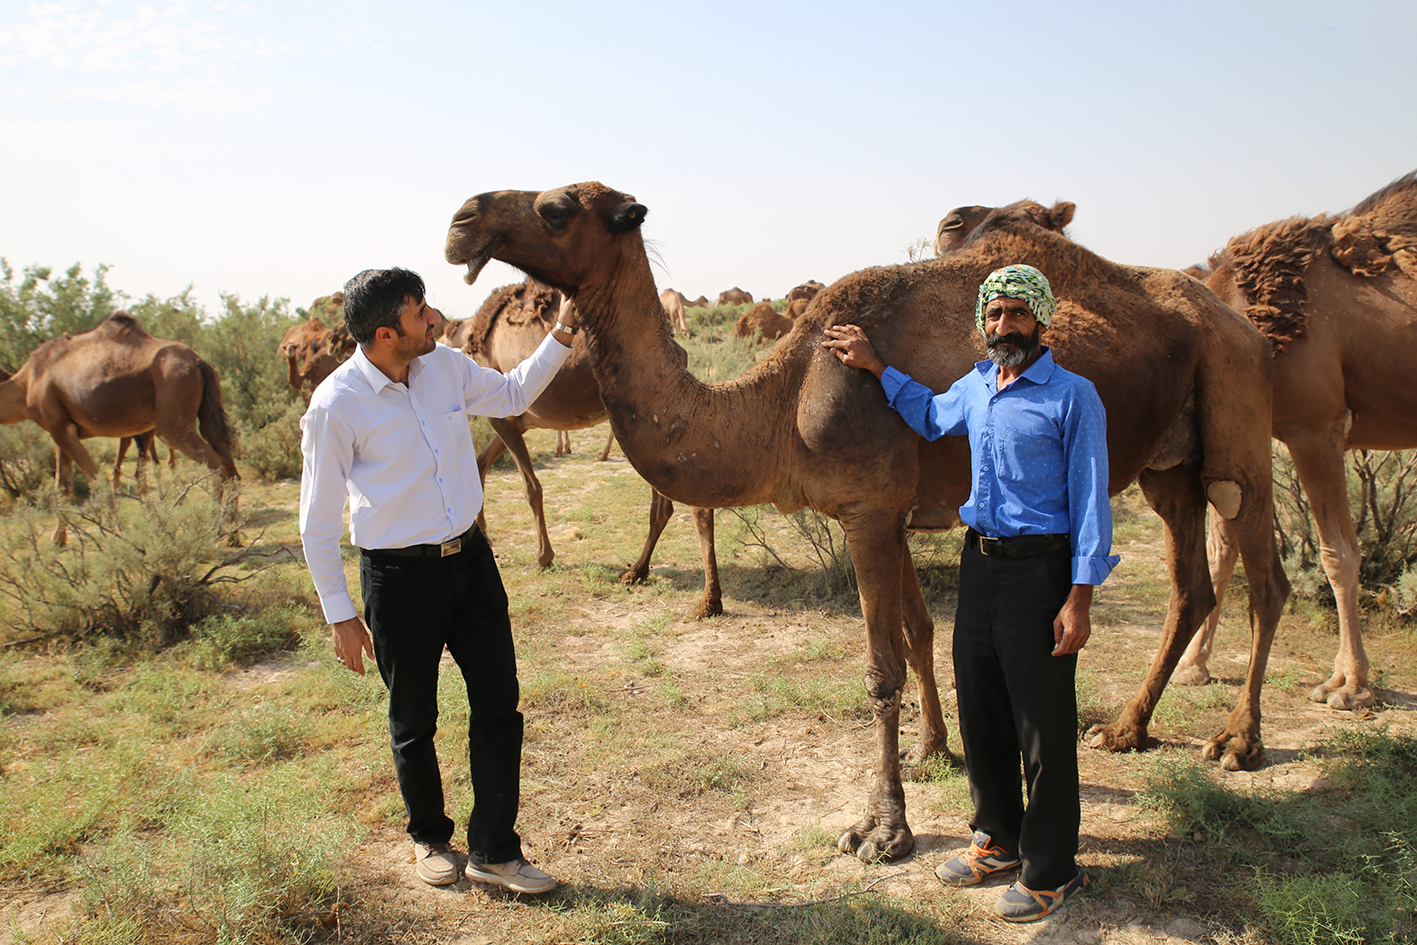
point(402, 455)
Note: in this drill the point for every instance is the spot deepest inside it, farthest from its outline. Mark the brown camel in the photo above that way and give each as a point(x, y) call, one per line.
point(147, 450)
point(1337, 297)
point(313, 351)
point(674, 304)
point(700, 302)
point(1180, 374)
point(734, 296)
point(762, 319)
point(807, 291)
point(507, 329)
point(118, 380)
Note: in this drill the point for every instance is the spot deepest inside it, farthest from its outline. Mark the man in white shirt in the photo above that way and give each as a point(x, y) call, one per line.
point(388, 431)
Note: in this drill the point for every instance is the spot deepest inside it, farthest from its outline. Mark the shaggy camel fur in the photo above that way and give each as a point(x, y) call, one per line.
point(506, 330)
point(1180, 374)
point(312, 351)
point(762, 320)
point(118, 380)
point(1337, 297)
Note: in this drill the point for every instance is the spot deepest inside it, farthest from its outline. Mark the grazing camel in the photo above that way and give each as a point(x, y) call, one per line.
point(118, 380)
point(674, 304)
point(507, 328)
point(734, 296)
point(762, 320)
point(1182, 377)
point(700, 302)
point(1337, 297)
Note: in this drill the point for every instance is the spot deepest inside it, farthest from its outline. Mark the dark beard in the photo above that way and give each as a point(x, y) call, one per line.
point(1012, 349)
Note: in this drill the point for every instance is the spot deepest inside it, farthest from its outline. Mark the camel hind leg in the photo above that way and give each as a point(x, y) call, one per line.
point(1223, 551)
point(920, 654)
point(511, 435)
point(1175, 494)
point(661, 509)
point(1320, 463)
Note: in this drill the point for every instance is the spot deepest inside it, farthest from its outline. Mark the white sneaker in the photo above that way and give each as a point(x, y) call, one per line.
point(518, 876)
point(434, 863)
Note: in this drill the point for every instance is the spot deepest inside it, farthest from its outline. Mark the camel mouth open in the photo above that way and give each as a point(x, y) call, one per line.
point(475, 266)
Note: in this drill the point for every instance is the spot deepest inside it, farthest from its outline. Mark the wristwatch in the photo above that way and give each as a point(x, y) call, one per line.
point(566, 328)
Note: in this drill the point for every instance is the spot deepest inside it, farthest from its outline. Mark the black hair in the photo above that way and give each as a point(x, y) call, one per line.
point(374, 298)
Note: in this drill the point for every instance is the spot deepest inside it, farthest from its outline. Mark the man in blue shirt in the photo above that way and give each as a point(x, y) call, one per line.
point(1039, 539)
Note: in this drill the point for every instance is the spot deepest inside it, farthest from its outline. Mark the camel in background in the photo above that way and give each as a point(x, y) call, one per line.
point(117, 380)
point(1337, 298)
point(734, 296)
point(674, 304)
point(312, 351)
point(762, 319)
point(507, 328)
point(147, 450)
point(1182, 377)
point(801, 296)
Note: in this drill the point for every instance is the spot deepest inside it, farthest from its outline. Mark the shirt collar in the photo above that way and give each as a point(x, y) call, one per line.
point(1038, 372)
point(378, 379)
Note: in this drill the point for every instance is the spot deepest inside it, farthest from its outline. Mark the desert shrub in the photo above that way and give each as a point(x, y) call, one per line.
point(273, 450)
point(242, 639)
point(1382, 494)
point(145, 575)
point(26, 459)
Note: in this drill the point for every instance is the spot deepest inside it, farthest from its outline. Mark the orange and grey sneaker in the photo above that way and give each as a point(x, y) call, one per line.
point(983, 859)
point(1021, 904)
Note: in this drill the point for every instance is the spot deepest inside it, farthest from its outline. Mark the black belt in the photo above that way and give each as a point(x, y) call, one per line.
point(1021, 546)
point(442, 550)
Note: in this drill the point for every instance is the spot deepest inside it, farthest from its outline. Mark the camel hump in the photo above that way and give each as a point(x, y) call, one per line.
point(518, 304)
point(120, 324)
point(1267, 266)
point(1380, 232)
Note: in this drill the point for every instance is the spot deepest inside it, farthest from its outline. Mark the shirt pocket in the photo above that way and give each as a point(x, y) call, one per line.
point(457, 434)
point(1030, 449)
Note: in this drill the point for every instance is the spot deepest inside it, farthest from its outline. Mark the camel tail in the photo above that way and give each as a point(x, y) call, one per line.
point(212, 422)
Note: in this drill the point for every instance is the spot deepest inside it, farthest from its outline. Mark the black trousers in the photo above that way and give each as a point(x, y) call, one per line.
point(414, 607)
point(1018, 704)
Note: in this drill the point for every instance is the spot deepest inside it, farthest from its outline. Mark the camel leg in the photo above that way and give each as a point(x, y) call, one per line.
point(605, 453)
point(489, 455)
point(1223, 551)
point(1320, 460)
point(920, 652)
point(1175, 495)
point(118, 463)
point(877, 541)
point(511, 435)
point(711, 604)
point(1238, 746)
point(68, 448)
point(563, 443)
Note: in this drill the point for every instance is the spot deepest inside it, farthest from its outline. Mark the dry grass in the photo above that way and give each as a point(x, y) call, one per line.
point(686, 780)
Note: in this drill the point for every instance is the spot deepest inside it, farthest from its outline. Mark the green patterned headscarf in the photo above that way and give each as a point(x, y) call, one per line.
point(1018, 282)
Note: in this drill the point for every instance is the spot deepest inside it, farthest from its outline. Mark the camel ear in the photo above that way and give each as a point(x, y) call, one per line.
point(627, 218)
point(1061, 214)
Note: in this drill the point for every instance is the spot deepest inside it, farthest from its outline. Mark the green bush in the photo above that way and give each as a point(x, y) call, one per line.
point(144, 575)
point(242, 639)
point(26, 459)
point(42, 306)
point(273, 450)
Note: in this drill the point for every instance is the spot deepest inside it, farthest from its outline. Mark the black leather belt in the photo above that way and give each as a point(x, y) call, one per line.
point(1021, 546)
point(442, 550)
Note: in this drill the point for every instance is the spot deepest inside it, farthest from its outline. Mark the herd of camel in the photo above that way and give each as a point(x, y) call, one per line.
point(1304, 330)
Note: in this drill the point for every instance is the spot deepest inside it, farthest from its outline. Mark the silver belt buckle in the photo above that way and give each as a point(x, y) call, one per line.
point(450, 547)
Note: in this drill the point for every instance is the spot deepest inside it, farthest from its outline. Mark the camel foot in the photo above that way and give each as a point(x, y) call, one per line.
point(1190, 674)
point(1234, 752)
point(707, 607)
point(634, 576)
point(543, 562)
point(1118, 737)
point(871, 842)
point(922, 763)
point(1343, 696)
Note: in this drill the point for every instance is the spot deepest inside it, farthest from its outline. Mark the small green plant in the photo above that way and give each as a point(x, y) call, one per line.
point(241, 639)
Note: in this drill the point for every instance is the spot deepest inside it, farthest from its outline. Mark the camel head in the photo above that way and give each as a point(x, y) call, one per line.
point(960, 222)
point(565, 237)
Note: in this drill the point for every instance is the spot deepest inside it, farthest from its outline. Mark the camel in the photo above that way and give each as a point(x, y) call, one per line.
point(312, 352)
point(1182, 377)
point(118, 380)
point(1337, 297)
point(762, 319)
point(147, 450)
point(700, 302)
point(507, 329)
point(807, 291)
point(734, 296)
point(674, 304)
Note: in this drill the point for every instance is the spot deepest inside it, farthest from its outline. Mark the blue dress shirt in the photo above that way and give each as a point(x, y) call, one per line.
point(1038, 454)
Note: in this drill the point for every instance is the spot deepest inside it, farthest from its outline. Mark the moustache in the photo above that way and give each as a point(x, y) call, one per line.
point(1016, 338)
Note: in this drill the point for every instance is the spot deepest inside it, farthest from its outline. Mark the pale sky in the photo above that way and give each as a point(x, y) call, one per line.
point(275, 149)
